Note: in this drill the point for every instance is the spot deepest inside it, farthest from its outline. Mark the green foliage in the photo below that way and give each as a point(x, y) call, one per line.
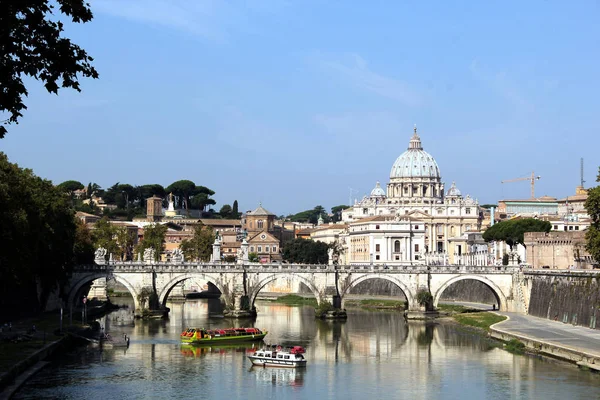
point(512, 231)
point(592, 235)
point(305, 251)
point(70, 186)
point(235, 213)
point(31, 44)
point(199, 247)
point(323, 309)
point(311, 216)
point(505, 259)
point(425, 299)
point(337, 212)
point(154, 237)
point(515, 346)
point(253, 257)
point(104, 235)
point(188, 195)
point(482, 320)
point(292, 299)
point(83, 248)
point(37, 232)
point(377, 303)
point(226, 211)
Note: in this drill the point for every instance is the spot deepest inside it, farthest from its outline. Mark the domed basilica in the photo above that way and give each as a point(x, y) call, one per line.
point(415, 197)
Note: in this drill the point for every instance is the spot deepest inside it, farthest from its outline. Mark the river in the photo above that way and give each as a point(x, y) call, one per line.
point(373, 355)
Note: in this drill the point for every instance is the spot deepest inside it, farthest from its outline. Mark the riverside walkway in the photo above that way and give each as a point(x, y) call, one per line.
point(575, 343)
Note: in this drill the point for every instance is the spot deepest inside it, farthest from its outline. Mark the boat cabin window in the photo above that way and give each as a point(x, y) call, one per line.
point(287, 357)
point(259, 354)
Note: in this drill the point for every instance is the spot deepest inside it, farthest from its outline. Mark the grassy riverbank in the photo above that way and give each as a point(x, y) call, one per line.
point(295, 300)
point(377, 303)
point(482, 320)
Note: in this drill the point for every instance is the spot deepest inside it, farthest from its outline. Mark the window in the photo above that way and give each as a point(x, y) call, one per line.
point(467, 210)
point(565, 228)
point(259, 224)
point(416, 226)
point(397, 246)
point(555, 227)
point(266, 249)
point(451, 212)
point(397, 258)
point(365, 211)
point(251, 248)
point(259, 249)
point(577, 228)
point(416, 248)
point(377, 257)
point(274, 249)
point(377, 226)
point(571, 228)
point(377, 247)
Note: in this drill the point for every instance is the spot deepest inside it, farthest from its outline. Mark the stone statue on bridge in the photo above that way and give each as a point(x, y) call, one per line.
point(177, 256)
point(149, 254)
point(100, 256)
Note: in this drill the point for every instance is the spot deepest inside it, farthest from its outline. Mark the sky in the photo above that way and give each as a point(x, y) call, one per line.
point(294, 104)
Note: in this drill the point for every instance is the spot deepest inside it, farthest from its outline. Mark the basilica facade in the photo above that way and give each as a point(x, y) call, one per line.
point(415, 197)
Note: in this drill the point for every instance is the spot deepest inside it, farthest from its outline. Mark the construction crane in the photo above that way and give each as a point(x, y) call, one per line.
point(531, 178)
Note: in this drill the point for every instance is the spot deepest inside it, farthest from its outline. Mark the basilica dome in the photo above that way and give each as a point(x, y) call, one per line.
point(377, 191)
point(415, 162)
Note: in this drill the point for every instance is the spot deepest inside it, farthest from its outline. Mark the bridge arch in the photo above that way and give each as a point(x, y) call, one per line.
point(500, 296)
point(390, 278)
point(273, 277)
point(87, 278)
point(166, 289)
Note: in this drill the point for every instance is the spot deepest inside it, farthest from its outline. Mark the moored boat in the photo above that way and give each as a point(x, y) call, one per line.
point(277, 356)
point(228, 335)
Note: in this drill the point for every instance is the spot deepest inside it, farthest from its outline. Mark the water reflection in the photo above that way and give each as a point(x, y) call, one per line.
point(188, 350)
point(279, 376)
point(371, 355)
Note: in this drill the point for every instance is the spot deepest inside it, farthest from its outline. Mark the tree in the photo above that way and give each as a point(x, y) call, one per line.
point(182, 190)
point(512, 231)
point(253, 257)
point(311, 216)
point(305, 251)
point(104, 235)
point(154, 238)
point(125, 240)
point(37, 232)
point(83, 247)
point(235, 213)
point(70, 186)
point(337, 212)
point(31, 44)
point(592, 235)
point(199, 247)
point(226, 211)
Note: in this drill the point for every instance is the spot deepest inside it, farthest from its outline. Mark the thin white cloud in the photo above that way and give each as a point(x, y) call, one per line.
point(210, 19)
point(501, 83)
point(357, 72)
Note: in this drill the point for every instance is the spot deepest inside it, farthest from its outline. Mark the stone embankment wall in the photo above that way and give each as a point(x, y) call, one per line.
point(571, 297)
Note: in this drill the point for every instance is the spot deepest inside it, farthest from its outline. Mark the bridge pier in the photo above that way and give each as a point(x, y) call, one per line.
point(241, 308)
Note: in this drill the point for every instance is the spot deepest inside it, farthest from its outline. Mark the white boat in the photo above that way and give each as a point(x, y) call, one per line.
point(277, 356)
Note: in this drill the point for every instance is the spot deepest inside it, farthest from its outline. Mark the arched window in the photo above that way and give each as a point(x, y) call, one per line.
point(259, 224)
point(397, 246)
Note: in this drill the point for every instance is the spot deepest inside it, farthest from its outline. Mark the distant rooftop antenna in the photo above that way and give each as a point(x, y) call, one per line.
point(581, 172)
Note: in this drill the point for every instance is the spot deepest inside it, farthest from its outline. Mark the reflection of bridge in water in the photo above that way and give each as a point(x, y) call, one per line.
point(241, 284)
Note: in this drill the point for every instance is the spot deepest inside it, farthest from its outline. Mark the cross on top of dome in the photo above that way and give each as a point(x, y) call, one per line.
point(415, 141)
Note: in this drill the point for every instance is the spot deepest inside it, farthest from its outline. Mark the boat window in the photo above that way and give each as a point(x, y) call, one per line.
point(287, 357)
point(259, 354)
point(280, 356)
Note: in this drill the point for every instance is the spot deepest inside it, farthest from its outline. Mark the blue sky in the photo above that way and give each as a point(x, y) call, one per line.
point(292, 103)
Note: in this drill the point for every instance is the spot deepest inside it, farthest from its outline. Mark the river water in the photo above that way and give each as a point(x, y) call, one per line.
point(373, 355)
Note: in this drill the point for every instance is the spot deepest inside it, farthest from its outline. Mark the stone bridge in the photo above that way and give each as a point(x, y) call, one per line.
point(241, 284)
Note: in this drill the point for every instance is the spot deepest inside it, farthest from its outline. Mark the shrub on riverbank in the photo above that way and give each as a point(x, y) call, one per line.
point(377, 303)
point(295, 300)
point(515, 346)
point(482, 320)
